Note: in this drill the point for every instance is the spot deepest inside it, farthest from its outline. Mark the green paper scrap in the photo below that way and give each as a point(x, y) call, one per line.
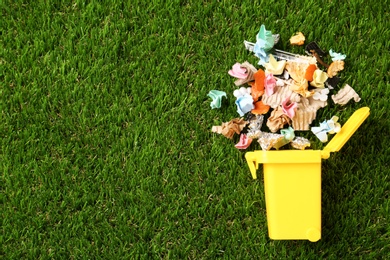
point(216, 96)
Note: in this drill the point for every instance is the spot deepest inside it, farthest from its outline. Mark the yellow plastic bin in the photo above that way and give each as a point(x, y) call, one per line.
point(292, 184)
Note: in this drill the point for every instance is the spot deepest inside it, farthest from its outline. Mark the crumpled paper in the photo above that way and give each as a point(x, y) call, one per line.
point(345, 94)
point(297, 70)
point(327, 127)
point(273, 66)
point(310, 72)
point(289, 107)
point(216, 96)
point(306, 113)
point(244, 104)
point(270, 84)
point(301, 87)
point(277, 120)
point(280, 94)
point(264, 43)
point(260, 108)
point(244, 142)
point(258, 85)
point(298, 39)
point(335, 67)
point(237, 72)
point(228, 129)
point(288, 136)
point(336, 56)
point(319, 78)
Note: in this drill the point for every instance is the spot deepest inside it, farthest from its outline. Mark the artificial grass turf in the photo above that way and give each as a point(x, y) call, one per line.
point(105, 130)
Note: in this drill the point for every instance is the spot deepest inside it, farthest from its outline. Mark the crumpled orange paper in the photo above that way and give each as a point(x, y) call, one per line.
point(258, 85)
point(260, 108)
point(228, 129)
point(310, 71)
point(335, 67)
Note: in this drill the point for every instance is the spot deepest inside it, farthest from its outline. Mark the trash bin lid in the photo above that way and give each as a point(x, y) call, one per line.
point(347, 130)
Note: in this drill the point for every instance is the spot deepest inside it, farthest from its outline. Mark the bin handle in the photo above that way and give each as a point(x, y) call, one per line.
point(253, 164)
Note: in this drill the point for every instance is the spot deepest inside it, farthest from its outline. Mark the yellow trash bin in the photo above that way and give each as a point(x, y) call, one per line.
point(292, 184)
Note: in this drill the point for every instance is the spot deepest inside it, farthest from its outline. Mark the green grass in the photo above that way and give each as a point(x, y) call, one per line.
point(106, 148)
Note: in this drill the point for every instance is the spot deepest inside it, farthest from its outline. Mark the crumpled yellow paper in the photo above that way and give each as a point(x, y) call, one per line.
point(297, 70)
point(228, 129)
point(298, 39)
point(319, 78)
point(301, 87)
point(273, 66)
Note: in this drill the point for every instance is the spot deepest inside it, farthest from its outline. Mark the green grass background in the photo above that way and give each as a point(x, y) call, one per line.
point(106, 148)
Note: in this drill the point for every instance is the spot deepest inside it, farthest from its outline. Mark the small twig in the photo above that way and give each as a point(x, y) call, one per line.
point(315, 54)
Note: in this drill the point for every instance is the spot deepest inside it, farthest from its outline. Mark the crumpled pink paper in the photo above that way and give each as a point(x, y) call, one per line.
point(238, 72)
point(270, 84)
point(289, 107)
point(244, 142)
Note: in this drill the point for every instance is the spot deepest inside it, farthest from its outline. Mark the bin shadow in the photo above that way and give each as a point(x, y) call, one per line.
point(344, 178)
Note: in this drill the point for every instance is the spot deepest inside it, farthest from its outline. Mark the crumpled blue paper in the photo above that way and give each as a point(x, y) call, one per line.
point(336, 56)
point(264, 43)
point(327, 127)
point(244, 104)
